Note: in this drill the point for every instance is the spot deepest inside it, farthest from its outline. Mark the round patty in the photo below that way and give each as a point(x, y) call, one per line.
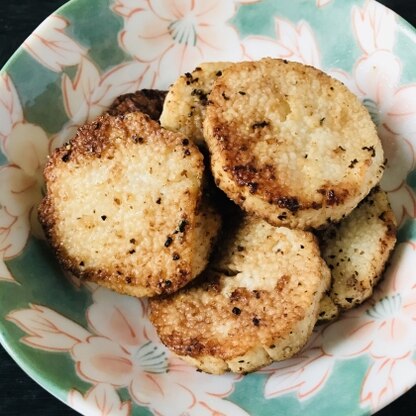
point(290, 144)
point(358, 248)
point(257, 302)
point(124, 208)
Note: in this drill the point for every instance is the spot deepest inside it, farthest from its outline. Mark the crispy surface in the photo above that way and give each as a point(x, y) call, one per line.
point(149, 102)
point(290, 144)
point(328, 310)
point(123, 206)
point(257, 302)
point(358, 248)
point(185, 104)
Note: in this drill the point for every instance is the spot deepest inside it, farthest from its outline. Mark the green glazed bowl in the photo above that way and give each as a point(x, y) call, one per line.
point(95, 349)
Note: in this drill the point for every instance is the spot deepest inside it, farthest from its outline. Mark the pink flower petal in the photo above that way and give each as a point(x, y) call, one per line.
point(257, 47)
point(47, 329)
point(401, 275)
point(374, 26)
point(18, 191)
point(386, 380)
point(169, 10)
point(100, 360)
point(349, 336)
point(299, 39)
point(116, 317)
point(10, 108)
point(403, 203)
point(395, 336)
point(27, 147)
point(100, 400)
point(219, 43)
point(146, 36)
point(212, 12)
point(305, 374)
point(201, 383)
point(399, 153)
point(377, 77)
point(127, 7)
point(158, 393)
point(214, 406)
point(78, 93)
point(52, 47)
point(181, 59)
point(401, 116)
point(121, 79)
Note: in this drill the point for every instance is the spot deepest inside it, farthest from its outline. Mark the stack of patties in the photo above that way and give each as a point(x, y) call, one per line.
point(295, 150)
point(129, 206)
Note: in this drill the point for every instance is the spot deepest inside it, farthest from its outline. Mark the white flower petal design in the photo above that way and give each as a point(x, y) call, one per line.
point(403, 203)
point(295, 42)
point(117, 317)
point(401, 116)
point(10, 108)
point(377, 76)
point(385, 380)
point(47, 329)
point(100, 400)
point(304, 374)
point(178, 35)
point(121, 79)
point(126, 8)
point(52, 47)
point(90, 93)
point(27, 147)
point(215, 406)
point(100, 360)
point(374, 26)
point(14, 229)
point(78, 93)
point(18, 193)
point(400, 156)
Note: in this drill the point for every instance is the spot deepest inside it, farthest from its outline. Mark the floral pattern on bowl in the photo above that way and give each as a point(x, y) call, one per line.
point(96, 350)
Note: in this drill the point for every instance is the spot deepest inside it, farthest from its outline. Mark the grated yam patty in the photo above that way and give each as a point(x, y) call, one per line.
point(257, 302)
point(290, 144)
point(185, 104)
point(358, 248)
point(123, 206)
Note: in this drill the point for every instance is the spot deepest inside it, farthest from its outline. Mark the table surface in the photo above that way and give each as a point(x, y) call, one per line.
point(19, 395)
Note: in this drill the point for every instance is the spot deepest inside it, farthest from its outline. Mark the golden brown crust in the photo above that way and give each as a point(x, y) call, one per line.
point(123, 206)
point(185, 104)
point(290, 144)
point(358, 248)
point(257, 302)
point(149, 102)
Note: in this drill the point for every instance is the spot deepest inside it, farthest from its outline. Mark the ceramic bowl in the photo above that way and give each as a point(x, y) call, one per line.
point(96, 350)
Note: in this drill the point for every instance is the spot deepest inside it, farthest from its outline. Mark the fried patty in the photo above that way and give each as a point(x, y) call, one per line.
point(328, 310)
point(149, 102)
point(290, 144)
point(358, 248)
point(256, 303)
point(123, 206)
point(185, 104)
